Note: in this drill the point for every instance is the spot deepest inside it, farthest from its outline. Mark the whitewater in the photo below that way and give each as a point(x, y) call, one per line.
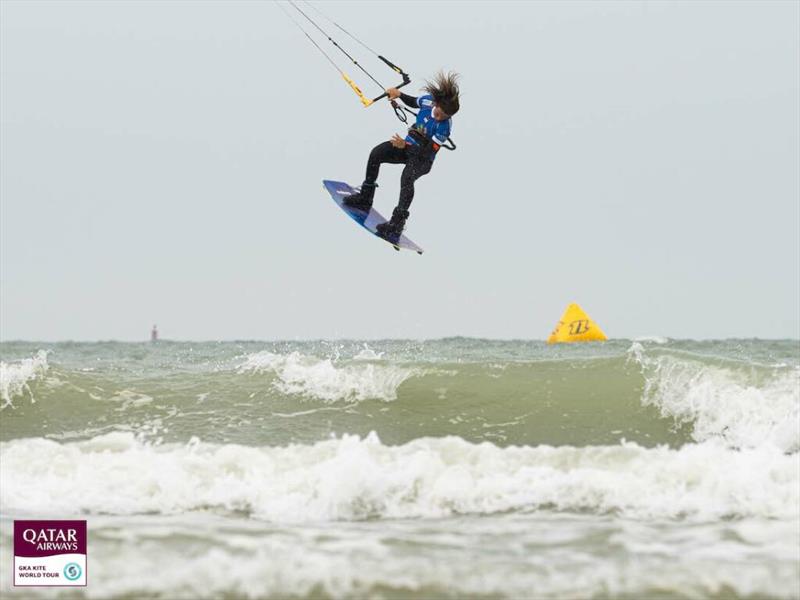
point(456, 468)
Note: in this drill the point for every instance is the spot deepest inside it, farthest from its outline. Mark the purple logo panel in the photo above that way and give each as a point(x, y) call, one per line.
point(49, 538)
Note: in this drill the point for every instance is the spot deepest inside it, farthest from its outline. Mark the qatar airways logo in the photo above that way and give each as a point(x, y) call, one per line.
point(52, 539)
point(49, 553)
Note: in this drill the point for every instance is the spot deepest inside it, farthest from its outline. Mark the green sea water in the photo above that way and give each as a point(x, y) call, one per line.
point(402, 468)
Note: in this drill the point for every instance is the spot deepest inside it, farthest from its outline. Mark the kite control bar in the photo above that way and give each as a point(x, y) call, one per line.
point(403, 74)
point(399, 111)
point(364, 100)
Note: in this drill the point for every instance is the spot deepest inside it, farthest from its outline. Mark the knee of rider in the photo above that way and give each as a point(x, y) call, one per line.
point(375, 152)
point(407, 182)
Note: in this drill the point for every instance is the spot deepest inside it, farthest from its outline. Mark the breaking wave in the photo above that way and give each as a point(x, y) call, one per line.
point(742, 407)
point(322, 379)
point(16, 377)
point(356, 478)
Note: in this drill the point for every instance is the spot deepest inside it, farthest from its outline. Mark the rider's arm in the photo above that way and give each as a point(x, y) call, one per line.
point(409, 100)
point(394, 93)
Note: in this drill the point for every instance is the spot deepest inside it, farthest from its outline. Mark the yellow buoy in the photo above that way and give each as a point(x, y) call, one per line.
point(576, 326)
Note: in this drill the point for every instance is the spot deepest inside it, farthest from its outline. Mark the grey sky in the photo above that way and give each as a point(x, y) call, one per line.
point(161, 162)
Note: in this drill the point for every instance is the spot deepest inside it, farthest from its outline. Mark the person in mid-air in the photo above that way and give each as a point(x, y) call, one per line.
point(417, 151)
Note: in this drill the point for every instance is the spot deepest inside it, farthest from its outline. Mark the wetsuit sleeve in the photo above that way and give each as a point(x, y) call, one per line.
point(409, 100)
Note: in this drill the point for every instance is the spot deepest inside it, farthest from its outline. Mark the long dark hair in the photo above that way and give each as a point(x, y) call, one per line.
point(444, 89)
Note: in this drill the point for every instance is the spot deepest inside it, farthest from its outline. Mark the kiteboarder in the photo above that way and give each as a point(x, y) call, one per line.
point(417, 151)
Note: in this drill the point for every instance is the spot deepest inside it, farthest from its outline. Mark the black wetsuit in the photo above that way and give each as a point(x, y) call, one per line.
point(416, 167)
point(417, 155)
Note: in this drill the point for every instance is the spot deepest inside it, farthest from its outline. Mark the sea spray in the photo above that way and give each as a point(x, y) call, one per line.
point(323, 379)
point(728, 402)
point(353, 478)
point(15, 377)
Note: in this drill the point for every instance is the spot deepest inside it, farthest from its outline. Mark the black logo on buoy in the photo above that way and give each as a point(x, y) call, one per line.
point(578, 327)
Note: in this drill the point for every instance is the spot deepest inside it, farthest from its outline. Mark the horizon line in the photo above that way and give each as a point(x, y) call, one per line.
point(380, 339)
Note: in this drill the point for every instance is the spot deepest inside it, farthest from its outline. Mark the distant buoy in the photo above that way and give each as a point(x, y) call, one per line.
point(576, 326)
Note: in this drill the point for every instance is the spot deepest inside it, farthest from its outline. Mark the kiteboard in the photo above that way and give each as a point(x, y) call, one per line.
point(368, 220)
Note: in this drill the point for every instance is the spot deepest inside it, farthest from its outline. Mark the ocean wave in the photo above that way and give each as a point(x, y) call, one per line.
point(652, 394)
point(653, 339)
point(367, 353)
point(356, 478)
point(722, 402)
point(16, 377)
point(324, 379)
point(505, 556)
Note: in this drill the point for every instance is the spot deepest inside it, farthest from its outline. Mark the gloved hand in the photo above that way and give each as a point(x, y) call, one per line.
point(397, 141)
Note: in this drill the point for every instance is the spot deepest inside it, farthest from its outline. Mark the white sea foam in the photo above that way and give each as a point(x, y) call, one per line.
point(352, 478)
point(557, 556)
point(129, 399)
point(367, 353)
point(724, 403)
point(15, 377)
point(653, 339)
point(323, 379)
